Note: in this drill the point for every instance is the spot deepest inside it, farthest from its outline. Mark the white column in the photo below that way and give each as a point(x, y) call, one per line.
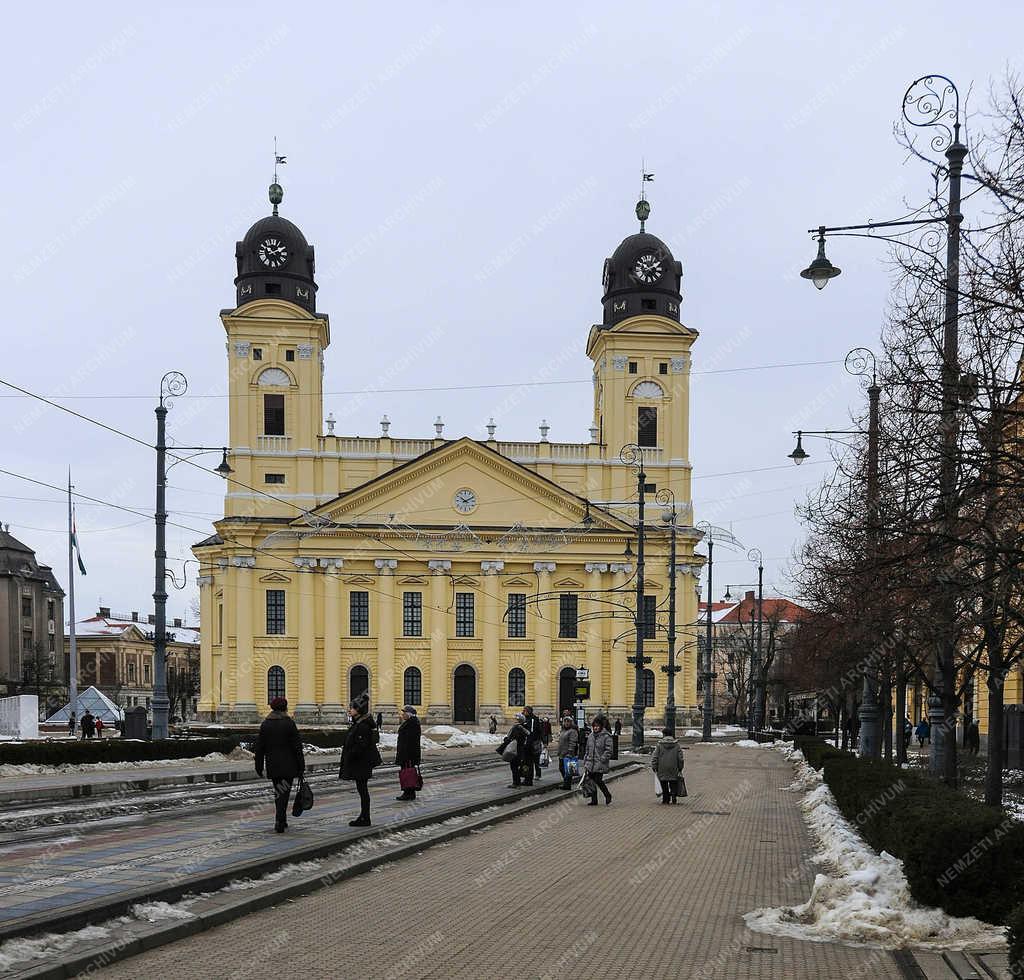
point(439, 706)
point(332, 636)
point(542, 682)
point(491, 682)
point(207, 694)
point(384, 683)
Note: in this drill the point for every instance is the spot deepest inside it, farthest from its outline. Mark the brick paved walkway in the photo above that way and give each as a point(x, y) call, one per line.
point(633, 890)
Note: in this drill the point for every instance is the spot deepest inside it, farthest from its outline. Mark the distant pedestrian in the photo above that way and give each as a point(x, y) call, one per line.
point(521, 760)
point(908, 730)
point(99, 728)
point(407, 754)
point(380, 722)
point(545, 730)
point(535, 742)
point(492, 725)
point(597, 757)
point(88, 724)
point(278, 751)
point(618, 728)
point(972, 738)
point(360, 755)
point(568, 751)
point(71, 723)
point(923, 733)
point(667, 763)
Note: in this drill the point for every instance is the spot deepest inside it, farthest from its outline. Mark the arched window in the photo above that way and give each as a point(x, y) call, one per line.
point(412, 686)
point(358, 681)
point(648, 688)
point(517, 687)
point(275, 683)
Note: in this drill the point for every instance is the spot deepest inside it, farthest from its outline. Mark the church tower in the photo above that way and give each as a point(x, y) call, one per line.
point(275, 346)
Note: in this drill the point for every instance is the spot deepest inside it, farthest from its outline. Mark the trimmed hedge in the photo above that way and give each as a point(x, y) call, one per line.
point(1016, 940)
point(110, 750)
point(322, 738)
point(958, 854)
point(816, 750)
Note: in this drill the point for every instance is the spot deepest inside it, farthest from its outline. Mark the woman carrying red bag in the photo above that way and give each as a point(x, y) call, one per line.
point(407, 755)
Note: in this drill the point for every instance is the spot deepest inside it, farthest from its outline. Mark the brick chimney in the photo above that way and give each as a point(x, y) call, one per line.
point(105, 612)
point(177, 623)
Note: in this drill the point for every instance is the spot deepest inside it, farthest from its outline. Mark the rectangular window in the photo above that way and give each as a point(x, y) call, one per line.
point(257, 353)
point(359, 613)
point(131, 671)
point(649, 620)
point(647, 426)
point(273, 478)
point(663, 367)
point(412, 614)
point(273, 415)
point(275, 612)
point(568, 604)
point(26, 641)
point(464, 613)
point(632, 367)
point(517, 615)
point(145, 669)
point(51, 644)
point(289, 355)
point(50, 609)
point(26, 606)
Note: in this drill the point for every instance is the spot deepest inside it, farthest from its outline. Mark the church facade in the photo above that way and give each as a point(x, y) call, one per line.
point(467, 577)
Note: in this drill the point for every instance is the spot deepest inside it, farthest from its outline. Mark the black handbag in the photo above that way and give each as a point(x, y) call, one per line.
point(303, 799)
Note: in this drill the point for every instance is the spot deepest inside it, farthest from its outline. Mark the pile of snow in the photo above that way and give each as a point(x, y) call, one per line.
point(389, 740)
point(444, 730)
point(161, 912)
point(860, 897)
point(31, 769)
point(17, 952)
point(461, 739)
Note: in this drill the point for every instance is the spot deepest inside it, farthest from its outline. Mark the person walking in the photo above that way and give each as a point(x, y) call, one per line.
point(99, 728)
point(71, 723)
point(278, 752)
point(545, 731)
point(908, 731)
point(923, 733)
point(535, 741)
point(597, 756)
point(492, 725)
point(972, 738)
point(568, 748)
point(88, 724)
point(380, 722)
point(618, 727)
point(522, 763)
point(667, 763)
point(360, 755)
point(407, 753)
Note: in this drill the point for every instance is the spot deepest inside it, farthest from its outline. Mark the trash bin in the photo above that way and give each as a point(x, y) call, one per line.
point(136, 723)
point(1013, 737)
point(615, 746)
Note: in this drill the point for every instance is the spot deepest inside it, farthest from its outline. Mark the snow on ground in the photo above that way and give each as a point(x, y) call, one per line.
point(749, 743)
point(444, 730)
point(161, 911)
point(31, 769)
point(472, 738)
point(860, 897)
point(389, 740)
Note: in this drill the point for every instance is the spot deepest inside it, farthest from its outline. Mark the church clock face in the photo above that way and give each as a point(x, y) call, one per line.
point(464, 501)
point(648, 268)
point(273, 252)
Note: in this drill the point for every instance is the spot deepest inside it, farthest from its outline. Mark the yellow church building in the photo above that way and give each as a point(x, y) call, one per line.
point(467, 577)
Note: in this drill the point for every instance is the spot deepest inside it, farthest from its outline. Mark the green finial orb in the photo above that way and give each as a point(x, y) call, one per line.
point(643, 210)
point(276, 195)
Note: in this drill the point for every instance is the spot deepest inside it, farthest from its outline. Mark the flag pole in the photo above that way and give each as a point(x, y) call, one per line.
point(73, 648)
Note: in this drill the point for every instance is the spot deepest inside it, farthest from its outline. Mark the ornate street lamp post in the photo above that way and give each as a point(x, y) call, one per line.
point(754, 716)
point(632, 455)
point(933, 102)
point(666, 497)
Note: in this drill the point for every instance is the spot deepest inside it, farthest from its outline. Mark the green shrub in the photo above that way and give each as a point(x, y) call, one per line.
point(816, 750)
point(322, 738)
point(1016, 939)
point(110, 750)
point(958, 854)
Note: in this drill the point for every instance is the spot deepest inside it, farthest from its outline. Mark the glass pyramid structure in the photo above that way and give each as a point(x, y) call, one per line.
point(96, 701)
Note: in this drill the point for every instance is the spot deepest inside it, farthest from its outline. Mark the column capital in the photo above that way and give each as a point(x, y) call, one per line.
point(205, 580)
point(243, 561)
point(386, 565)
point(331, 563)
point(544, 566)
point(438, 566)
point(596, 566)
point(620, 566)
point(492, 567)
point(305, 562)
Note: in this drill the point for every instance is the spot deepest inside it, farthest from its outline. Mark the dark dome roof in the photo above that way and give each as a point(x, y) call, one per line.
point(285, 271)
point(632, 288)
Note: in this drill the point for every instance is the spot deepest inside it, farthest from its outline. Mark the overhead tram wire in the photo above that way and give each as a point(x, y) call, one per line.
point(429, 388)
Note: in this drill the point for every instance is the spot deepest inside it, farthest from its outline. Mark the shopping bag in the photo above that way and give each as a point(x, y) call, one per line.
point(410, 778)
point(511, 752)
point(545, 759)
point(657, 785)
point(586, 785)
point(572, 766)
point(682, 786)
point(303, 799)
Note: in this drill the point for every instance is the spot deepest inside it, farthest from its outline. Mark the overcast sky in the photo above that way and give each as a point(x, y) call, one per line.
point(463, 174)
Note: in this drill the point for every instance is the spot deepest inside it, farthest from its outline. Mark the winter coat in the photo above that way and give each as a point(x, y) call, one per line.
point(923, 730)
point(360, 755)
point(88, 724)
point(598, 753)
point(278, 747)
point(535, 732)
point(408, 751)
point(518, 734)
point(667, 760)
point(568, 742)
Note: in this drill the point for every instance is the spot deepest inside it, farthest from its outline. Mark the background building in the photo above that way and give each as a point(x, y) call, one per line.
point(466, 577)
point(31, 626)
point(115, 655)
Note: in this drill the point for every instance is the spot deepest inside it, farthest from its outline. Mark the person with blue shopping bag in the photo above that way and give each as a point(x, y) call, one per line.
point(568, 752)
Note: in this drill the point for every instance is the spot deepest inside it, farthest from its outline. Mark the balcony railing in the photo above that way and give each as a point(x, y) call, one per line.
point(273, 444)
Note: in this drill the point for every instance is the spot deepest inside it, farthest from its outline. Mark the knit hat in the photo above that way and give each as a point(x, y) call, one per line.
point(279, 704)
point(409, 709)
point(520, 717)
point(360, 703)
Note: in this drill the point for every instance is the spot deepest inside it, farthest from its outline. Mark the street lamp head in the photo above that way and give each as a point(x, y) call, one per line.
point(628, 553)
point(224, 470)
point(728, 595)
point(798, 455)
point(820, 270)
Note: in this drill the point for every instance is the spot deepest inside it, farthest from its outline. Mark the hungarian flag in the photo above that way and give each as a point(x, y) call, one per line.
point(74, 544)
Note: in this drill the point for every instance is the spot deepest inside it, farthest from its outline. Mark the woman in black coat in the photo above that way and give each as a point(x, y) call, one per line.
point(278, 749)
point(522, 764)
point(407, 754)
point(359, 755)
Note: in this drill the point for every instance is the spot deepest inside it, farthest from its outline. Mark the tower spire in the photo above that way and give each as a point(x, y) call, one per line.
point(643, 209)
point(276, 190)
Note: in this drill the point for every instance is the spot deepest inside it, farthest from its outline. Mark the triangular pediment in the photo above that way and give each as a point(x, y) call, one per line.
point(464, 485)
point(568, 583)
point(358, 580)
point(275, 577)
point(516, 581)
point(464, 580)
point(412, 580)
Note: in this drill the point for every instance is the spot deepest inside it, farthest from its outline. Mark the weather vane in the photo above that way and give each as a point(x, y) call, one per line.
point(276, 191)
point(643, 209)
